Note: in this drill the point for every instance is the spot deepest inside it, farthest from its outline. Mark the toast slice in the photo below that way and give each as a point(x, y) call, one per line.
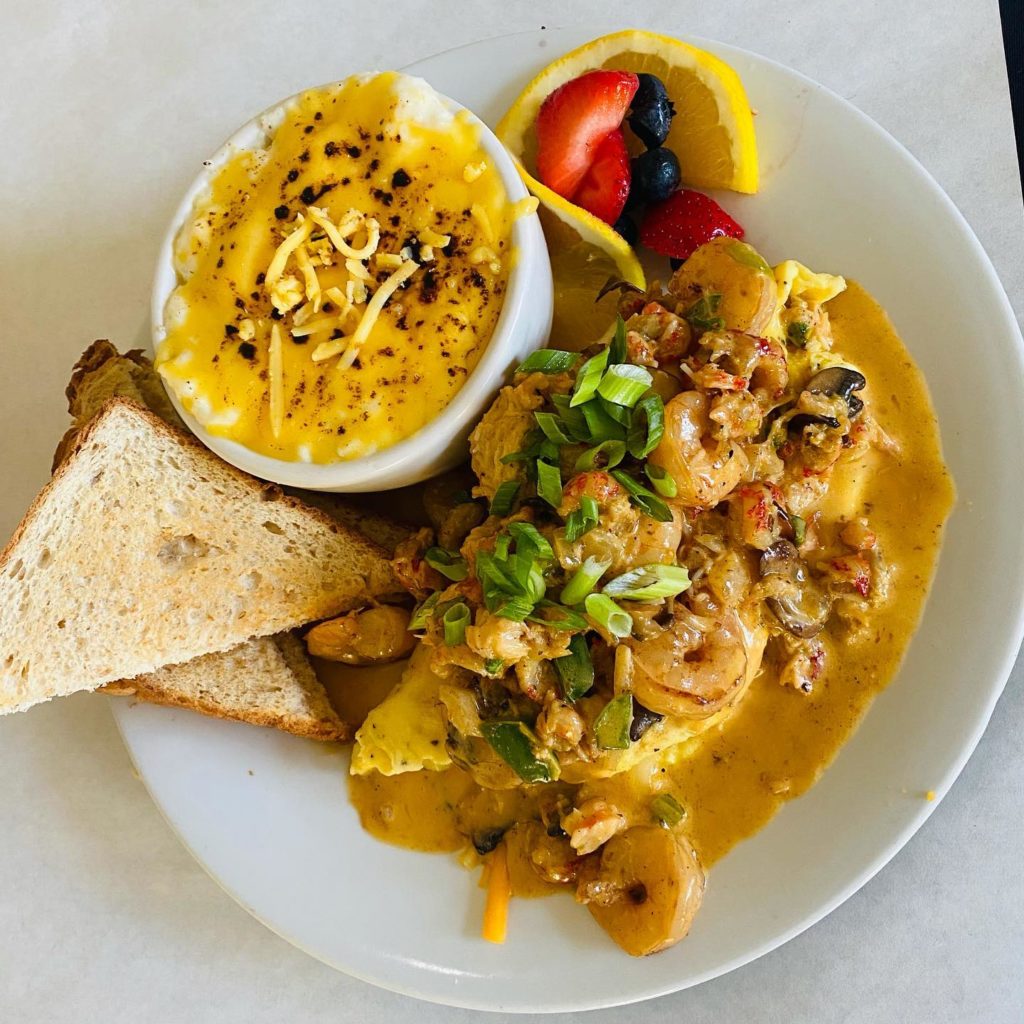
point(146, 550)
point(268, 681)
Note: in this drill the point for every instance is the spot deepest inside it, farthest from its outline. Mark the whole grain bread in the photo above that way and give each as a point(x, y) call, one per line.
point(146, 550)
point(267, 681)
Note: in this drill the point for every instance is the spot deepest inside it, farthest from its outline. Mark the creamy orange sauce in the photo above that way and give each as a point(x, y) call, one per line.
point(386, 155)
point(732, 779)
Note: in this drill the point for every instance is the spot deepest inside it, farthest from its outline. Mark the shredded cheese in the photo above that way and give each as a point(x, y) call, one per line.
point(336, 233)
point(479, 214)
point(482, 254)
point(329, 349)
point(358, 270)
point(284, 250)
point(309, 275)
point(374, 309)
point(428, 237)
point(325, 323)
point(246, 330)
point(276, 381)
point(473, 171)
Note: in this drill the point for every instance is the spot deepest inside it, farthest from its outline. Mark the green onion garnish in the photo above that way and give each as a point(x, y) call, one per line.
point(421, 616)
point(583, 581)
point(611, 727)
point(649, 583)
point(547, 360)
point(572, 421)
point(647, 501)
point(455, 621)
point(575, 669)
point(582, 520)
point(661, 480)
point(549, 483)
point(548, 422)
point(518, 747)
point(603, 456)
point(796, 333)
point(449, 564)
point(799, 525)
point(646, 426)
point(624, 384)
point(588, 378)
point(516, 609)
point(504, 498)
point(494, 666)
point(702, 313)
point(562, 618)
point(667, 809)
point(530, 540)
point(608, 615)
point(617, 351)
point(601, 426)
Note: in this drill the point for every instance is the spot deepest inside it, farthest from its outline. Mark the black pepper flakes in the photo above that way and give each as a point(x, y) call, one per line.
point(387, 198)
point(293, 174)
point(400, 178)
point(220, 263)
point(261, 277)
point(276, 314)
point(307, 195)
point(247, 350)
point(354, 151)
point(379, 136)
point(308, 128)
point(374, 164)
point(318, 116)
point(230, 329)
point(304, 156)
point(281, 212)
point(330, 149)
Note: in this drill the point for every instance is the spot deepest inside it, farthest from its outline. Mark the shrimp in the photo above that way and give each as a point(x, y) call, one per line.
point(697, 665)
point(705, 471)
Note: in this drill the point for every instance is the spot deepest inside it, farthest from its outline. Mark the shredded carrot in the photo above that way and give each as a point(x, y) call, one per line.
point(498, 894)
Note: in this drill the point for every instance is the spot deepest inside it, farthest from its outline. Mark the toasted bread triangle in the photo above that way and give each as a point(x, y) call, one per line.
point(146, 550)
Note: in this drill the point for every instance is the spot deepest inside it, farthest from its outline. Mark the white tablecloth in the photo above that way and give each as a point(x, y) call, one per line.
point(103, 915)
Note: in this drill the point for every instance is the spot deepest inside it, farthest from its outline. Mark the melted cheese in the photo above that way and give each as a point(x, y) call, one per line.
point(359, 192)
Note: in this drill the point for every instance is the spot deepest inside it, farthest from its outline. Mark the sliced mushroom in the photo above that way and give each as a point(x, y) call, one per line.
point(797, 601)
point(834, 381)
point(643, 888)
point(643, 719)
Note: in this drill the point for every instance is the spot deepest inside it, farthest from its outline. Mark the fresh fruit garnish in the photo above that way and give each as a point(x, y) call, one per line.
point(684, 222)
point(574, 120)
point(605, 187)
point(651, 113)
point(655, 175)
point(712, 133)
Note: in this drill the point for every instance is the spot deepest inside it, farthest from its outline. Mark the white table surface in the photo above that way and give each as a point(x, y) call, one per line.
point(103, 915)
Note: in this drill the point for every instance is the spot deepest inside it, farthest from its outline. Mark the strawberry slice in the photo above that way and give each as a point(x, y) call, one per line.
point(574, 120)
point(605, 187)
point(684, 222)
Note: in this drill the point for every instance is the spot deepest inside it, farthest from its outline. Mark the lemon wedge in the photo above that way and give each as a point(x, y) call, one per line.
point(713, 130)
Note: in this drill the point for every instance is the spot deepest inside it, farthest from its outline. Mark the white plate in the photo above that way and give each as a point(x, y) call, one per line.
point(267, 814)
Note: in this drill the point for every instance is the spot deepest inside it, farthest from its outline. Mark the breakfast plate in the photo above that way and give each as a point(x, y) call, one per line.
point(269, 818)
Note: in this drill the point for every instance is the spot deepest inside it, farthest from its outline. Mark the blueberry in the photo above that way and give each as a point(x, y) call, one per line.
point(626, 227)
point(655, 175)
point(652, 111)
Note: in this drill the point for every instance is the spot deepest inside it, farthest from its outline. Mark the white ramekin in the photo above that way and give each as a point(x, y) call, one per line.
point(523, 326)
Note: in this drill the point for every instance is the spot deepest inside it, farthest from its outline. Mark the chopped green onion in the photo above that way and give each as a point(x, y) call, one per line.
point(504, 498)
point(583, 519)
point(548, 452)
point(799, 525)
point(649, 583)
point(493, 666)
point(549, 483)
point(575, 669)
point(548, 422)
point(746, 254)
point(611, 727)
point(646, 426)
point(662, 481)
point(796, 333)
point(518, 747)
point(502, 545)
point(603, 456)
point(583, 581)
point(702, 313)
point(608, 615)
point(601, 426)
point(567, 618)
point(547, 360)
point(624, 384)
point(516, 609)
point(449, 564)
point(617, 351)
point(667, 809)
point(572, 420)
point(455, 621)
point(423, 612)
point(647, 501)
point(528, 538)
point(588, 378)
